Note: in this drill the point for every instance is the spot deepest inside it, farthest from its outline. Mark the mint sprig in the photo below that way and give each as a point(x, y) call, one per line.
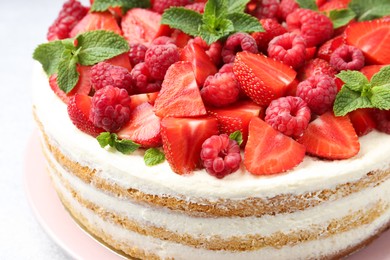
point(358, 92)
point(341, 17)
point(236, 136)
point(121, 145)
point(369, 9)
point(307, 4)
point(220, 19)
point(153, 156)
point(63, 56)
point(125, 5)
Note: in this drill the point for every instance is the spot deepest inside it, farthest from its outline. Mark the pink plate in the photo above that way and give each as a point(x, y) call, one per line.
point(79, 244)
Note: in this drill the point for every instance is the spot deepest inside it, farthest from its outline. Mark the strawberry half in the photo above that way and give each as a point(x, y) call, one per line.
point(138, 99)
point(79, 107)
point(143, 127)
point(331, 137)
point(121, 60)
point(261, 78)
point(268, 151)
point(373, 38)
point(183, 138)
point(362, 121)
point(329, 47)
point(179, 95)
point(96, 21)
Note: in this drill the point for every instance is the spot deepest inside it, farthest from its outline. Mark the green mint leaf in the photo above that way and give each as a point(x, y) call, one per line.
point(104, 5)
point(348, 100)
point(100, 45)
point(236, 136)
point(307, 4)
point(49, 55)
point(221, 28)
point(245, 23)
point(214, 10)
point(105, 139)
point(341, 17)
point(153, 156)
point(381, 97)
point(236, 6)
point(67, 76)
point(124, 146)
point(183, 19)
point(352, 79)
point(382, 77)
point(369, 9)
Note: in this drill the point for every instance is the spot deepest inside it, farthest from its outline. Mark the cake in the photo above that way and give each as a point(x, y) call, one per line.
point(321, 207)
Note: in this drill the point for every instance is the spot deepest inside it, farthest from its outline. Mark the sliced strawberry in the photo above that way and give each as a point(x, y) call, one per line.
point(181, 38)
point(179, 95)
point(316, 67)
point(140, 26)
point(236, 117)
point(268, 151)
point(96, 21)
point(331, 137)
point(310, 53)
point(79, 107)
point(370, 70)
point(143, 127)
point(292, 88)
point(373, 38)
point(121, 60)
point(183, 138)
point(141, 98)
point(362, 121)
point(334, 5)
point(262, 79)
point(201, 62)
point(163, 30)
point(329, 47)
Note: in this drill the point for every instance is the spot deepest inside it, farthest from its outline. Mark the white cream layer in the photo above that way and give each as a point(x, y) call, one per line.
point(129, 171)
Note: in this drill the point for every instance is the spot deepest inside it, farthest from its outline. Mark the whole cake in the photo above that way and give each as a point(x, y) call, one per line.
point(219, 129)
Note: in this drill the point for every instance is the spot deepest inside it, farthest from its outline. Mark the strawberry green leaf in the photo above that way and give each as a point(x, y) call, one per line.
point(153, 156)
point(236, 6)
point(381, 97)
point(348, 100)
point(125, 5)
point(245, 23)
point(183, 19)
point(67, 76)
point(121, 145)
point(341, 17)
point(307, 4)
point(352, 79)
point(382, 77)
point(369, 9)
point(49, 55)
point(236, 136)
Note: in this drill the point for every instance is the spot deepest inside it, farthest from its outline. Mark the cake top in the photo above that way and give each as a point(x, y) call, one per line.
point(223, 85)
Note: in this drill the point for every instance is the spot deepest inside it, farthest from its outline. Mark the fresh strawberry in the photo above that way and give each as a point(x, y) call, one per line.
point(236, 117)
point(141, 98)
point(121, 60)
point(271, 29)
point(329, 47)
point(143, 127)
point(331, 137)
point(140, 26)
point(362, 121)
point(372, 38)
point(268, 151)
point(79, 108)
point(181, 39)
point(334, 5)
point(96, 21)
point(310, 53)
point(292, 88)
point(262, 79)
point(370, 70)
point(179, 95)
point(183, 138)
point(316, 67)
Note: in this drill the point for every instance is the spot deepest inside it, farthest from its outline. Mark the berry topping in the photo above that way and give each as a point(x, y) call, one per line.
point(142, 80)
point(362, 120)
point(288, 48)
point(110, 108)
point(220, 155)
point(347, 57)
point(289, 115)
point(238, 42)
point(137, 53)
point(220, 90)
point(382, 119)
point(319, 92)
point(104, 74)
point(162, 40)
point(329, 47)
point(96, 21)
point(271, 29)
point(286, 7)
point(158, 58)
point(266, 9)
point(71, 13)
point(316, 67)
point(160, 5)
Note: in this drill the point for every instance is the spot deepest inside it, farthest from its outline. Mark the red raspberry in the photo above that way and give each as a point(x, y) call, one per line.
point(110, 108)
point(158, 58)
point(160, 5)
point(71, 13)
point(142, 81)
point(266, 9)
point(137, 53)
point(220, 89)
point(198, 7)
point(316, 67)
point(347, 57)
point(314, 27)
point(220, 155)
point(289, 115)
point(238, 42)
point(162, 40)
point(271, 29)
point(288, 48)
point(319, 92)
point(104, 74)
point(226, 68)
point(382, 119)
point(286, 7)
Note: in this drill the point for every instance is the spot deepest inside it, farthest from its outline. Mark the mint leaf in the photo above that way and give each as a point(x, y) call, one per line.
point(381, 97)
point(153, 156)
point(67, 75)
point(220, 29)
point(214, 10)
point(341, 17)
point(348, 100)
point(369, 9)
point(352, 79)
point(382, 77)
point(121, 145)
point(245, 23)
point(104, 5)
point(100, 45)
point(236, 136)
point(236, 6)
point(49, 55)
point(105, 139)
point(307, 4)
point(183, 19)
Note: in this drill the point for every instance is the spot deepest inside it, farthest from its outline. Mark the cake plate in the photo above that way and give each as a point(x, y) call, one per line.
point(75, 241)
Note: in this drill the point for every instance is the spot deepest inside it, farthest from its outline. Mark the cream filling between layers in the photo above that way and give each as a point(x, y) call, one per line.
point(130, 171)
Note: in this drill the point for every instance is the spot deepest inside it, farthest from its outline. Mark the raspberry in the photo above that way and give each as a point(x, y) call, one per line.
point(347, 57)
point(104, 74)
point(137, 53)
point(226, 68)
point(238, 42)
point(288, 48)
point(162, 40)
point(220, 89)
point(289, 115)
point(142, 81)
point(110, 108)
point(319, 92)
point(271, 29)
point(71, 13)
point(315, 67)
point(160, 5)
point(382, 119)
point(266, 9)
point(314, 27)
point(286, 7)
point(220, 155)
point(158, 58)
point(198, 7)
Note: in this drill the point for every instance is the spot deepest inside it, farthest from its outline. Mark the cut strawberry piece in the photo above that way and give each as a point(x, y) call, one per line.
point(331, 137)
point(362, 121)
point(181, 39)
point(262, 79)
point(141, 98)
point(372, 38)
point(334, 5)
point(268, 151)
point(201, 62)
point(370, 70)
point(179, 95)
point(96, 21)
point(329, 47)
point(236, 117)
point(121, 60)
point(143, 127)
point(79, 108)
point(183, 138)
point(310, 53)
point(140, 26)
